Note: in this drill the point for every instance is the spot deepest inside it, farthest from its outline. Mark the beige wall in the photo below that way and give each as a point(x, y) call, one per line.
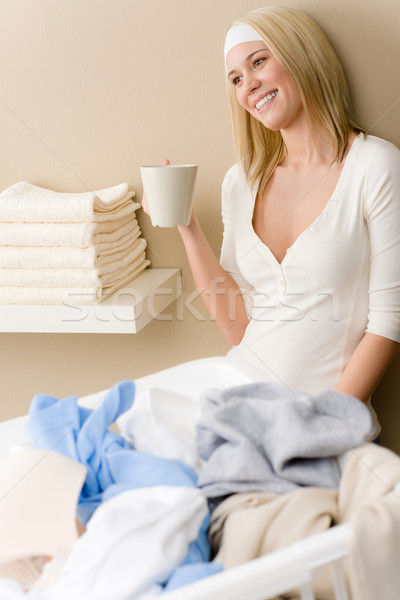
point(92, 89)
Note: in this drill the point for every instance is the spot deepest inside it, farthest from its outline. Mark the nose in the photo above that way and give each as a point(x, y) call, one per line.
point(252, 84)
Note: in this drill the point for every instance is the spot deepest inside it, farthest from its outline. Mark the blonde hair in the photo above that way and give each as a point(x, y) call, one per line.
point(304, 51)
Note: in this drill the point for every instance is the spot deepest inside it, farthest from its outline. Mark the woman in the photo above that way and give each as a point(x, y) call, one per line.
point(308, 285)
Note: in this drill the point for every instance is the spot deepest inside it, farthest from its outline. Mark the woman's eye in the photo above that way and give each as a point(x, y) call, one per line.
point(236, 80)
point(258, 62)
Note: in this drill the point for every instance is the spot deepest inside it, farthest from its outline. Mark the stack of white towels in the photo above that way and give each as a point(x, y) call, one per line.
point(76, 248)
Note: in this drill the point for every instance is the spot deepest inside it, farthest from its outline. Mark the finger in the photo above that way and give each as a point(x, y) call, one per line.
point(145, 205)
point(166, 162)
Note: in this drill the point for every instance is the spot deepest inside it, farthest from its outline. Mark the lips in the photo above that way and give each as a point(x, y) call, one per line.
point(265, 99)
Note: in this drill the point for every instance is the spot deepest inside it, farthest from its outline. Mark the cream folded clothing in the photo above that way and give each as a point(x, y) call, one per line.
point(66, 295)
point(67, 248)
point(27, 203)
point(67, 257)
point(106, 274)
point(82, 235)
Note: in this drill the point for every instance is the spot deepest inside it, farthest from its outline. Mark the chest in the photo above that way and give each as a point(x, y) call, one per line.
point(290, 203)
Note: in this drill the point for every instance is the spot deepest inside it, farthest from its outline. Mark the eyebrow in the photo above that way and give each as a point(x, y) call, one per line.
point(247, 59)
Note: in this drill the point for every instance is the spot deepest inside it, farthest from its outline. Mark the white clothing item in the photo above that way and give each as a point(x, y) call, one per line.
point(131, 545)
point(67, 257)
point(12, 590)
point(240, 34)
point(340, 278)
point(70, 296)
point(151, 425)
point(108, 275)
point(82, 235)
point(27, 203)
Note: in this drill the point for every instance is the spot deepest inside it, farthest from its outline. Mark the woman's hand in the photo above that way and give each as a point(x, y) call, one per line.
point(145, 205)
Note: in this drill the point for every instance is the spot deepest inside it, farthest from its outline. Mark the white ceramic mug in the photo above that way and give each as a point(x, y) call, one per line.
point(169, 191)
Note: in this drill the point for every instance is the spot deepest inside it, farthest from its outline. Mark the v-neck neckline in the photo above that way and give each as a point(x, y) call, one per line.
point(312, 227)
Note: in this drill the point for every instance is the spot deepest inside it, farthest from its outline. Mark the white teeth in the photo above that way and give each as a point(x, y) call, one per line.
point(265, 100)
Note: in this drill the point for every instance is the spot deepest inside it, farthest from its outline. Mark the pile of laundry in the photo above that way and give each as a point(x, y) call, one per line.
point(280, 465)
point(60, 247)
point(86, 515)
point(90, 512)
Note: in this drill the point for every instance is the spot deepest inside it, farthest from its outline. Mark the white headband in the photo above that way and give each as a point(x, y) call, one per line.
point(239, 34)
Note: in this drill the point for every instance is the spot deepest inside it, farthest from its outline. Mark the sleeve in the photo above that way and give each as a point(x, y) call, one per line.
point(228, 249)
point(382, 212)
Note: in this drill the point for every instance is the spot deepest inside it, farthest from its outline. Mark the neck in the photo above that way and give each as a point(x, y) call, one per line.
point(306, 148)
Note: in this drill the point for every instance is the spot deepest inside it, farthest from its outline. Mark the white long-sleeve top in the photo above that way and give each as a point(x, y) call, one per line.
point(339, 279)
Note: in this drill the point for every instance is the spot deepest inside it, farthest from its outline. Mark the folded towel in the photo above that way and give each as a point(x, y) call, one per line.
point(112, 282)
point(51, 278)
point(70, 296)
point(67, 248)
point(27, 203)
point(107, 274)
point(68, 257)
point(82, 235)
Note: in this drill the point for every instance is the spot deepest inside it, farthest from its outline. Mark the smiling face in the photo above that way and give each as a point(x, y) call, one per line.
point(263, 86)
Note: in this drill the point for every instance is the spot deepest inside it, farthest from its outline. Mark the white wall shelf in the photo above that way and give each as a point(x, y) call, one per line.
point(127, 311)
